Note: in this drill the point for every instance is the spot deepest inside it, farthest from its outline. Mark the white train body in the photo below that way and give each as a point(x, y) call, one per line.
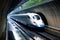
point(32, 19)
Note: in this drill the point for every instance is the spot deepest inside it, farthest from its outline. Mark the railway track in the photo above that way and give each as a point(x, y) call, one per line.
point(32, 33)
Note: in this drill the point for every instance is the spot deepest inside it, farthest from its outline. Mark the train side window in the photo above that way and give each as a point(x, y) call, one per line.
point(28, 17)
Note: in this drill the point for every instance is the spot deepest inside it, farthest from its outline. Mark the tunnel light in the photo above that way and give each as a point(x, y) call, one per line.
point(37, 38)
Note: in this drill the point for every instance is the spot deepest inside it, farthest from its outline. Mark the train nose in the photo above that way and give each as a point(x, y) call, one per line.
point(41, 25)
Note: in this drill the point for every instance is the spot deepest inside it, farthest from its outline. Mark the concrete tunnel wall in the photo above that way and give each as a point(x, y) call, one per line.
point(52, 13)
point(4, 7)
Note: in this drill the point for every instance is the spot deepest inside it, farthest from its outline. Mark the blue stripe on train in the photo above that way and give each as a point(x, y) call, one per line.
point(33, 26)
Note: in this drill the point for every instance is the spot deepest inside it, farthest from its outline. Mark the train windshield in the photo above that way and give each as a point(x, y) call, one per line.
point(37, 17)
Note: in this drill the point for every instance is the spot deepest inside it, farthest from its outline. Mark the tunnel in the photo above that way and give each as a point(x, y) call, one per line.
point(49, 11)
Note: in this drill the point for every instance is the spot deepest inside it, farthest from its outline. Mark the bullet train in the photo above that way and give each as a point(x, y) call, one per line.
point(31, 19)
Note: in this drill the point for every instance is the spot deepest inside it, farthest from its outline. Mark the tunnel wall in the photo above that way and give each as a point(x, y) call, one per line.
point(52, 13)
point(4, 6)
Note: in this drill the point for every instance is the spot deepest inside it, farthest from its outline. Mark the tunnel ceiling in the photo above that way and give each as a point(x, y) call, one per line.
point(29, 4)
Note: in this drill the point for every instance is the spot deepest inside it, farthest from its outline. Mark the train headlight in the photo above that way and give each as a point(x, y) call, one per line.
point(34, 23)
